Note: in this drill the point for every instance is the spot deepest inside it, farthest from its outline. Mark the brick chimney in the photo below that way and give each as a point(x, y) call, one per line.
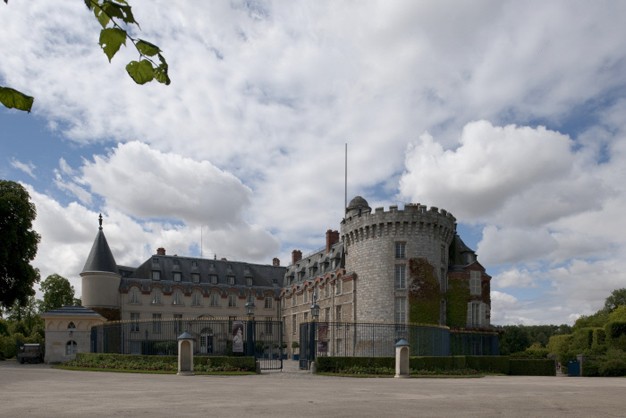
point(332, 238)
point(296, 255)
point(275, 262)
point(160, 251)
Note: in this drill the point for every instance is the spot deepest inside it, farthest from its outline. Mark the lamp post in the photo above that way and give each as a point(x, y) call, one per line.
point(315, 314)
point(250, 325)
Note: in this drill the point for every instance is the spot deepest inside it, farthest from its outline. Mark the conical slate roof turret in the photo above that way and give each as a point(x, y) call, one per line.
point(100, 258)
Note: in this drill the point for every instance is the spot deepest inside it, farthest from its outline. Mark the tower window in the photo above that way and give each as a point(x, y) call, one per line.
point(400, 310)
point(400, 276)
point(401, 250)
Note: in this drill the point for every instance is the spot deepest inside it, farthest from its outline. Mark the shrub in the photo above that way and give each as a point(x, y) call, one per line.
point(613, 363)
point(160, 363)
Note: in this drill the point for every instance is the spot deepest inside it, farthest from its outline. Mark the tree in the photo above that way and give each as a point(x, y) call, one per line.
point(514, 339)
point(115, 17)
point(617, 298)
point(57, 292)
point(18, 245)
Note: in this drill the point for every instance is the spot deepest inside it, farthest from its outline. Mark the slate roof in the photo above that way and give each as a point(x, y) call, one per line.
point(316, 264)
point(100, 257)
point(72, 310)
point(262, 277)
point(457, 254)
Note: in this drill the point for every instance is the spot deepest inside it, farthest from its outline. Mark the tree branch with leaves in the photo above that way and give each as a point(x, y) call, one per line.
point(116, 18)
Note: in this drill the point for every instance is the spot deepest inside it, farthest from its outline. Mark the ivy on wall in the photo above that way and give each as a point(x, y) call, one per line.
point(424, 294)
point(458, 297)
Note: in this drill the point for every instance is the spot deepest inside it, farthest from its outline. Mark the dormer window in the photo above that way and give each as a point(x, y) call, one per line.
point(176, 263)
point(231, 280)
point(155, 261)
point(156, 275)
point(248, 281)
point(194, 264)
point(177, 276)
point(195, 277)
point(213, 278)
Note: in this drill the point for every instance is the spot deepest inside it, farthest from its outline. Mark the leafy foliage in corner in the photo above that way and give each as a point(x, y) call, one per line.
point(14, 99)
point(115, 17)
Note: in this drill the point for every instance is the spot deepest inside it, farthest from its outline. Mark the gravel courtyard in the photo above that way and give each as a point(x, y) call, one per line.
point(42, 391)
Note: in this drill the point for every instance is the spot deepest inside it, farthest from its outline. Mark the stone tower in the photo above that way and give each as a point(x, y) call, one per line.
point(101, 279)
point(378, 246)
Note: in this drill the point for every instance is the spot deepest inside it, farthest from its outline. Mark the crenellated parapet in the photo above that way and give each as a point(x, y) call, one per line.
point(413, 220)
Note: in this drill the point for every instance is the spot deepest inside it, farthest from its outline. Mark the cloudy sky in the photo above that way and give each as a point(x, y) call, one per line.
point(511, 115)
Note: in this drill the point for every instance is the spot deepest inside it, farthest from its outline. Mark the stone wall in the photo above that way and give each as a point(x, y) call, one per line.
point(370, 240)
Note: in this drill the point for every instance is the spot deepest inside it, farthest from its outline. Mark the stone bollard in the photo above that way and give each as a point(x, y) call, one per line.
point(402, 358)
point(185, 354)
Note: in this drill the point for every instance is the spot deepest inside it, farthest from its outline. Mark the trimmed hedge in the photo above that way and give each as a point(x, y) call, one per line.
point(168, 364)
point(526, 367)
point(356, 365)
point(438, 365)
point(490, 364)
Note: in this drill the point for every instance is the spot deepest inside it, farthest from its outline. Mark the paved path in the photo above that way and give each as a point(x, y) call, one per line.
point(41, 391)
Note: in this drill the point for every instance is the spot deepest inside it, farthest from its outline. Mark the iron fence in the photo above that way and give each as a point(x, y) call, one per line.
point(343, 339)
point(217, 337)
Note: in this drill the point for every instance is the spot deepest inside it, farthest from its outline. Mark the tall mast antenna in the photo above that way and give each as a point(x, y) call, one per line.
point(345, 185)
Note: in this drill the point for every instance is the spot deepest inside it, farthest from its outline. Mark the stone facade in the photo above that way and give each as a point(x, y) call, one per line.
point(378, 246)
point(68, 331)
point(360, 275)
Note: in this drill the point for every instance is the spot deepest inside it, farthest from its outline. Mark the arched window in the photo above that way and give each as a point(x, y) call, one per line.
point(133, 295)
point(70, 348)
point(196, 298)
point(178, 298)
point(156, 297)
